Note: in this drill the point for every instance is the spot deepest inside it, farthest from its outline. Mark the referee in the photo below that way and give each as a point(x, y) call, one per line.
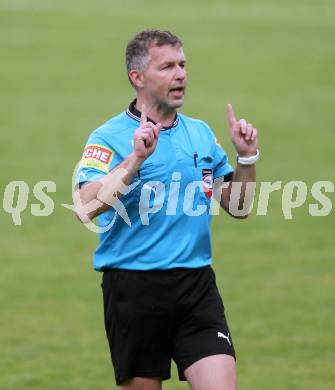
point(150, 174)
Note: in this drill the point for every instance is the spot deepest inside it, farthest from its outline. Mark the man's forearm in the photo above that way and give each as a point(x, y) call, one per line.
point(239, 191)
point(244, 173)
point(96, 197)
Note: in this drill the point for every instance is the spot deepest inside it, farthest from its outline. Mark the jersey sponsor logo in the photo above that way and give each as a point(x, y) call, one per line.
point(97, 156)
point(207, 182)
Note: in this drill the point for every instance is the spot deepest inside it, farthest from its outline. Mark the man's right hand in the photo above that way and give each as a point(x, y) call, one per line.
point(146, 137)
point(96, 197)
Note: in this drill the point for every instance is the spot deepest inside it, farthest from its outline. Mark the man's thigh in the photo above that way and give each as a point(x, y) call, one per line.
point(216, 372)
point(142, 384)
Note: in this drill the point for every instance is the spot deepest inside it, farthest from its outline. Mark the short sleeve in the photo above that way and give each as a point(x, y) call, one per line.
point(97, 159)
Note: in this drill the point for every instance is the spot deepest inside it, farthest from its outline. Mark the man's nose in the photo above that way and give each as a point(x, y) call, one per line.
point(180, 73)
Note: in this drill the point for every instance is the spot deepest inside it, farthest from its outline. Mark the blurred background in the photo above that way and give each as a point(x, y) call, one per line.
point(62, 74)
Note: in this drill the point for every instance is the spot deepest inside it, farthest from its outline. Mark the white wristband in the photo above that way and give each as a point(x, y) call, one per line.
point(248, 160)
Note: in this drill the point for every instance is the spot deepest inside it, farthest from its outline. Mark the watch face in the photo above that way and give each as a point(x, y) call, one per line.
point(207, 182)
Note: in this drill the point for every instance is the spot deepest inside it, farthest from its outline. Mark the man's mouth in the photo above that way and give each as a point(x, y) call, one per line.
point(177, 91)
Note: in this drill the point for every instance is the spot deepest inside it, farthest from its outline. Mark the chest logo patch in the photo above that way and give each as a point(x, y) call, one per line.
point(207, 182)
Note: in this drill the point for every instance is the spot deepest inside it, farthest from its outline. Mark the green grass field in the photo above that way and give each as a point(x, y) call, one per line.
point(62, 74)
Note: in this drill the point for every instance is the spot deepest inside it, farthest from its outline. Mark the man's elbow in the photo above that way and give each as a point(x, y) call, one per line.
point(83, 216)
point(239, 216)
point(235, 213)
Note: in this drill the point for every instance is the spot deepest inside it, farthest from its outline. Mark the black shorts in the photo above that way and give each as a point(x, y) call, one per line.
point(153, 316)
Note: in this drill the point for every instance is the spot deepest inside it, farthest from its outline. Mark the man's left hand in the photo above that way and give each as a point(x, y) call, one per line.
point(243, 134)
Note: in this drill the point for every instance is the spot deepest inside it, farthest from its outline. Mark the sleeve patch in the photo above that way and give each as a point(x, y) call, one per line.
point(218, 142)
point(97, 156)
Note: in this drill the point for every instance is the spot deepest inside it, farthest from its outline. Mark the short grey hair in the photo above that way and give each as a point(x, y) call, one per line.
point(137, 51)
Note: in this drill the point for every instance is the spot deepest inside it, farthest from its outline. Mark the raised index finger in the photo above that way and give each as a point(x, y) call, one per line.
point(230, 115)
point(143, 115)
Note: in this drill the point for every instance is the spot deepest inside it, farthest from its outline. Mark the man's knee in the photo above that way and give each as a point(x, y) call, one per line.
point(217, 372)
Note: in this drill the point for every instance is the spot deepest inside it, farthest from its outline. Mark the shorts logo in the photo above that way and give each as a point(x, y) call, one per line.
point(223, 336)
point(97, 156)
point(207, 182)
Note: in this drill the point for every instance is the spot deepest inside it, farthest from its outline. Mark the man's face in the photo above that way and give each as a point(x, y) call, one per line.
point(164, 79)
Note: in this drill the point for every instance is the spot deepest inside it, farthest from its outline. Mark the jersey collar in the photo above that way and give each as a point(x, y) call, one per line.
point(134, 113)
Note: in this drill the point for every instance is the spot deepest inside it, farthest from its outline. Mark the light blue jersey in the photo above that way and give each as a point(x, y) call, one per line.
point(167, 221)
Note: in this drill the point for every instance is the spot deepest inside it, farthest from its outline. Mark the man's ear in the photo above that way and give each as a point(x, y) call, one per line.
point(136, 78)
